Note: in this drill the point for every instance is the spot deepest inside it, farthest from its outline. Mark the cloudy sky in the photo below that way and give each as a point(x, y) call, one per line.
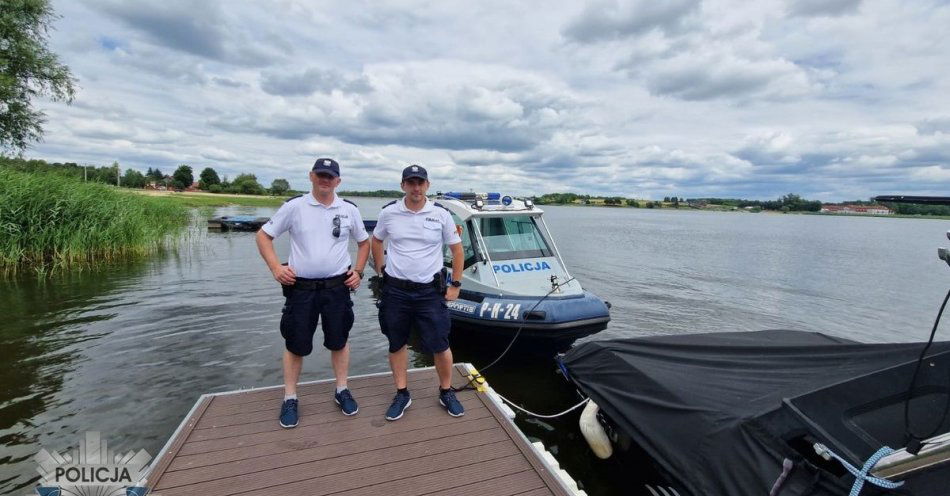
point(831, 99)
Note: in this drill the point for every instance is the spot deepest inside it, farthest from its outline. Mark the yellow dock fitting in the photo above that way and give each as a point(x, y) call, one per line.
point(476, 379)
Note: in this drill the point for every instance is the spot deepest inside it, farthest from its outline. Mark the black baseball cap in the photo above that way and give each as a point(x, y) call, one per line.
point(415, 171)
point(327, 166)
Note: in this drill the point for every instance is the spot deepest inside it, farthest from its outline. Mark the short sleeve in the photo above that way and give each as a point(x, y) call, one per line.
point(380, 232)
point(450, 234)
point(357, 229)
point(281, 221)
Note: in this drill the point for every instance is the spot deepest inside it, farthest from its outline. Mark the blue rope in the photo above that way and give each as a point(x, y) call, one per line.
point(861, 476)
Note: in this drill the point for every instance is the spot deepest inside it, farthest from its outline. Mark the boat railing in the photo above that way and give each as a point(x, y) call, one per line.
point(935, 451)
point(557, 253)
point(486, 255)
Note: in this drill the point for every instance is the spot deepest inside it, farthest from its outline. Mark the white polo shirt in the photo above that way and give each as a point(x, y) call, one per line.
point(415, 239)
point(314, 252)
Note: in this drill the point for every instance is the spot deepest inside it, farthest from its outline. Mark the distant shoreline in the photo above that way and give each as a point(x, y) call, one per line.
point(204, 199)
point(348, 195)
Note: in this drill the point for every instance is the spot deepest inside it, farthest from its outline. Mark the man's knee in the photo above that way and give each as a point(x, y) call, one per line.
point(293, 357)
point(397, 340)
point(401, 349)
point(334, 345)
point(298, 349)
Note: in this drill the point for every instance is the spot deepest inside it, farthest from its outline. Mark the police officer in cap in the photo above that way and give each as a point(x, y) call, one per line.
point(317, 279)
point(412, 294)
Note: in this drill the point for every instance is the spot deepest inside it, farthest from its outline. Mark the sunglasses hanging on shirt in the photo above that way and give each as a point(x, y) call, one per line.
point(336, 226)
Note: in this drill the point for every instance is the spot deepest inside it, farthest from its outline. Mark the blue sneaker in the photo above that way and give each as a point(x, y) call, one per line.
point(288, 414)
point(451, 403)
point(347, 403)
point(398, 407)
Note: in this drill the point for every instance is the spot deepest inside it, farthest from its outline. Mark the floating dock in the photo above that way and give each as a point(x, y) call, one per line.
point(231, 443)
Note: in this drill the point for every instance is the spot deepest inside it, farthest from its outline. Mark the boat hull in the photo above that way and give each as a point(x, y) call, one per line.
point(555, 319)
point(236, 223)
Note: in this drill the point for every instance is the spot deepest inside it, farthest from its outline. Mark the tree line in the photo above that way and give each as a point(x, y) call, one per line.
point(379, 193)
point(209, 180)
point(180, 179)
point(917, 209)
point(905, 208)
point(569, 198)
point(787, 203)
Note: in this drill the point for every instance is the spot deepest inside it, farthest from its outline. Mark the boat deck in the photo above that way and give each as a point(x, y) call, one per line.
point(231, 443)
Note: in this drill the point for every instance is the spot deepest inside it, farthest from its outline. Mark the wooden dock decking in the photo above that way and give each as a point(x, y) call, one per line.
point(231, 443)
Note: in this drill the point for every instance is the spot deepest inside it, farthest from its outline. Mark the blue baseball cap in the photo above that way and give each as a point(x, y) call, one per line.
point(415, 171)
point(326, 166)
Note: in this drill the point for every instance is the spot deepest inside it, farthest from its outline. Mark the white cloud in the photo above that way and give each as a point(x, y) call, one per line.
point(933, 173)
point(454, 106)
point(206, 29)
point(310, 81)
point(812, 8)
point(703, 76)
point(100, 129)
point(619, 19)
point(217, 154)
point(935, 125)
point(719, 98)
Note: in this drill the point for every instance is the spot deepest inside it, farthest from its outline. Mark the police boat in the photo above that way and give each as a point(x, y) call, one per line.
point(514, 277)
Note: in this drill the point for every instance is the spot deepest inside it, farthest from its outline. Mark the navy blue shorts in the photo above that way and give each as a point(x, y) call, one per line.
point(401, 309)
point(305, 308)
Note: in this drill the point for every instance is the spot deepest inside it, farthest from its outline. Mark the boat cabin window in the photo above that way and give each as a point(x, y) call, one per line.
point(468, 247)
point(514, 237)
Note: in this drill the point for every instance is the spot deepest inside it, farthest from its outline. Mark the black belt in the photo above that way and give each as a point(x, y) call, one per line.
point(411, 285)
point(315, 284)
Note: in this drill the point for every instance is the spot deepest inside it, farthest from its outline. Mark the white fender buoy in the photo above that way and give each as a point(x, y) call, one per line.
point(594, 433)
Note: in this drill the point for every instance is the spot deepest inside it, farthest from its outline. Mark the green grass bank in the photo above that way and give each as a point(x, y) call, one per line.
point(196, 200)
point(50, 222)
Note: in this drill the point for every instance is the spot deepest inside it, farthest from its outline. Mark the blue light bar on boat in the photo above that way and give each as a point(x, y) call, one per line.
point(458, 195)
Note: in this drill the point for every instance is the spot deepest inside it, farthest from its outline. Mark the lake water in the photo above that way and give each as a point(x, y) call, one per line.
point(127, 350)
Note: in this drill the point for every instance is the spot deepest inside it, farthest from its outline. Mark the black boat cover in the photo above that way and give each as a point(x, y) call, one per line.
point(721, 413)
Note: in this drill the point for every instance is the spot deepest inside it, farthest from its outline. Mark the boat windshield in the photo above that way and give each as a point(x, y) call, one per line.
point(510, 238)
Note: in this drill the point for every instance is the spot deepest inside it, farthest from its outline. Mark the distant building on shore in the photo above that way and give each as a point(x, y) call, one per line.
point(856, 209)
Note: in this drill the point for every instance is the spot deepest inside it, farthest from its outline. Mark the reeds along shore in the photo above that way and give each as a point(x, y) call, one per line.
point(49, 222)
